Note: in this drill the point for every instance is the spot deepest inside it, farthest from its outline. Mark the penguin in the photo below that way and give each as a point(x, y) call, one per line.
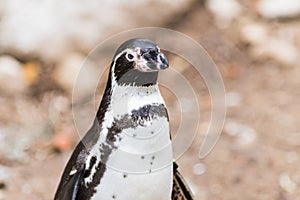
point(127, 152)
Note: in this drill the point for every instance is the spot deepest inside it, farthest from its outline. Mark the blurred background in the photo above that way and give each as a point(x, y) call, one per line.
point(255, 44)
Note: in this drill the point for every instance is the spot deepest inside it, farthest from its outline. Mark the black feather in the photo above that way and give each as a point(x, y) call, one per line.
point(180, 191)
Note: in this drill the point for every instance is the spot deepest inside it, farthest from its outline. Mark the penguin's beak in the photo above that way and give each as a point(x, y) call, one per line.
point(155, 60)
point(163, 61)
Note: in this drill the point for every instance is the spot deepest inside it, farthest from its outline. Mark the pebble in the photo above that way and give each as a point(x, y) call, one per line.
point(254, 33)
point(199, 169)
point(31, 72)
point(5, 175)
point(2, 195)
point(243, 134)
point(246, 137)
point(62, 140)
point(15, 149)
point(233, 99)
point(69, 69)
point(286, 183)
point(273, 9)
point(2, 185)
point(11, 75)
point(225, 10)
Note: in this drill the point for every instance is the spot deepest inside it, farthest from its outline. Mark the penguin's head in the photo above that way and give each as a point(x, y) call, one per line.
point(137, 62)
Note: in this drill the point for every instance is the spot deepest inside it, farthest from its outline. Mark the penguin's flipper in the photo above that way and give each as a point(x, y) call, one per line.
point(72, 185)
point(73, 175)
point(181, 190)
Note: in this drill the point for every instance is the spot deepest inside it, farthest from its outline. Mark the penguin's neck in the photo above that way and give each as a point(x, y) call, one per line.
point(125, 99)
point(134, 77)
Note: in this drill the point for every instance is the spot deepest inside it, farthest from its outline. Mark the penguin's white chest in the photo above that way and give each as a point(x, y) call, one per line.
point(141, 166)
point(128, 186)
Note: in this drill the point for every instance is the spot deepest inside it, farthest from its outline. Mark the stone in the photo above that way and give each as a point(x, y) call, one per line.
point(242, 134)
point(69, 69)
point(199, 169)
point(225, 11)
point(286, 183)
point(5, 173)
point(273, 9)
point(254, 33)
point(233, 99)
point(11, 76)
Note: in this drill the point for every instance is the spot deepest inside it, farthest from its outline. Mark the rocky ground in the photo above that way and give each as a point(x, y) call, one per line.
point(255, 45)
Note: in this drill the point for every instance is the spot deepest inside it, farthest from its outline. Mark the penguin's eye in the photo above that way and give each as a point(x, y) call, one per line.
point(130, 56)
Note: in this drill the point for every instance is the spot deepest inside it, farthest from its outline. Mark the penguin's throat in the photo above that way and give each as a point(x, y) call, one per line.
point(136, 78)
point(127, 98)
